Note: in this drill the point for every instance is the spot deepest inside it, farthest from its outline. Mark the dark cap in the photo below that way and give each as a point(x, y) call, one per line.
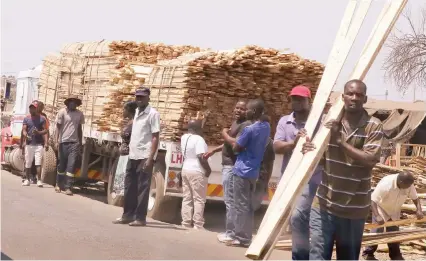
point(142, 91)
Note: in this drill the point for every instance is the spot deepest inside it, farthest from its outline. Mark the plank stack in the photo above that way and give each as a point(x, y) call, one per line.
point(84, 69)
point(212, 82)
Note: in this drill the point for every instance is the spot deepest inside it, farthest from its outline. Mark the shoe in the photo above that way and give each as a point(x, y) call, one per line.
point(68, 192)
point(224, 238)
point(122, 221)
point(397, 258)
point(237, 243)
point(39, 184)
point(199, 228)
point(137, 223)
point(57, 189)
point(26, 182)
point(369, 257)
point(34, 181)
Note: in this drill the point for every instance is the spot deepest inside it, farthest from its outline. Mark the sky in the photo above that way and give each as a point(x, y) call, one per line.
point(30, 29)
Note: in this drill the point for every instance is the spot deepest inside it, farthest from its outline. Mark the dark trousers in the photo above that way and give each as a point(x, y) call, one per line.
point(242, 207)
point(137, 183)
point(394, 250)
point(300, 223)
point(325, 229)
point(68, 153)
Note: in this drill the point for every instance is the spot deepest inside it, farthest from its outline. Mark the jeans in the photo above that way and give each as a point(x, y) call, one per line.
point(228, 198)
point(243, 208)
point(394, 250)
point(137, 183)
point(326, 229)
point(68, 156)
point(300, 223)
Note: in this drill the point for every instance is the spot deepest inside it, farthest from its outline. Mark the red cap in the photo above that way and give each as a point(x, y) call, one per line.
point(34, 103)
point(301, 90)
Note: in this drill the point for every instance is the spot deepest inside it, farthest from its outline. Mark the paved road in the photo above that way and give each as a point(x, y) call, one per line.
point(40, 224)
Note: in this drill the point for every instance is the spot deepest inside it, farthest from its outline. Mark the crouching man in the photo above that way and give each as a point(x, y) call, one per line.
point(386, 202)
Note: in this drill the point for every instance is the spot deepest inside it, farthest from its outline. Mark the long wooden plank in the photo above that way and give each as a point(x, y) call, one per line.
point(395, 223)
point(349, 28)
point(268, 235)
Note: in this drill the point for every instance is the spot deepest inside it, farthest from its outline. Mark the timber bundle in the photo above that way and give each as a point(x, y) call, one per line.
point(207, 85)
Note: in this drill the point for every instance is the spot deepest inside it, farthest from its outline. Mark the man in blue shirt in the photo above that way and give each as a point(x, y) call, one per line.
point(250, 146)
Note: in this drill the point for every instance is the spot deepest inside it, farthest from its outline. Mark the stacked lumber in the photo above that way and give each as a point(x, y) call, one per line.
point(213, 82)
point(85, 69)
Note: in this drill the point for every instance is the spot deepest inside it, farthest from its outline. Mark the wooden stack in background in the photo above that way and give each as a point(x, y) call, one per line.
point(214, 81)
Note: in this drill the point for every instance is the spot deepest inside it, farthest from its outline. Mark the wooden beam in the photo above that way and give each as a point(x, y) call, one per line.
point(349, 28)
point(267, 236)
point(396, 223)
point(398, 155)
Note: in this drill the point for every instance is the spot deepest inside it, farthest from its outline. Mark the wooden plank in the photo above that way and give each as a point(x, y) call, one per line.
point(396, 223)
point(345, 38)
point(267, 236)
point(398, 155)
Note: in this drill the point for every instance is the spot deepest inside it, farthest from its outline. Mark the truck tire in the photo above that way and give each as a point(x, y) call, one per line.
point(160, 207)
point(48, 171)
point(115, 200)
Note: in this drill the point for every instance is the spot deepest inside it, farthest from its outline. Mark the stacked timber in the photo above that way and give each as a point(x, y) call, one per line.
point(211, 83)
point(85, 69)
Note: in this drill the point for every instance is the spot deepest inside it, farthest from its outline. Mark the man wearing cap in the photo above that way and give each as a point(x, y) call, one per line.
point(289, 129)
point(34, 136)
point(142, 150)
point(69, 138)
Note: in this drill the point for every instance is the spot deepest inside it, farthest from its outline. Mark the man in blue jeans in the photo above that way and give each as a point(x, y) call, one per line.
point(343, 199)
point(250, 145)
point(228, 160)
point(289, 130)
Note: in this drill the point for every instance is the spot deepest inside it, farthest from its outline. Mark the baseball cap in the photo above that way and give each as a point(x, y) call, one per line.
point(34, 104)
point(142, 91)
point(301, 90)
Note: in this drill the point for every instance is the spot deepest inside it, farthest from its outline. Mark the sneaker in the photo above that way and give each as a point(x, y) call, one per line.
point(224, 238)
point(186, 226)
point(237, 243)
point(26, 182)
point(199, 228)
point(39, 184)
point(68, 192)
point(57, 189)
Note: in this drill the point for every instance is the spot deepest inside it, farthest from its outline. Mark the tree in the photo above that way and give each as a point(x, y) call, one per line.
point(406, 62)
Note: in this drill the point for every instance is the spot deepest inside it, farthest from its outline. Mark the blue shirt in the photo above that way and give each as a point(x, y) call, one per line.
point(253, 139)
point(287, 130)
point(34, 123)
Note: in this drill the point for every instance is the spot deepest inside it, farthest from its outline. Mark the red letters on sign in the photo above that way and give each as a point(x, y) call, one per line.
point(177, 158)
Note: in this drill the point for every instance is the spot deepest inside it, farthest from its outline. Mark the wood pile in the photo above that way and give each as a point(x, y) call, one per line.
point(84, 69)
point(213, 82)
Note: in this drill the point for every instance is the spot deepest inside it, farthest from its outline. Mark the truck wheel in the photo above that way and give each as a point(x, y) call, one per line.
point(48, 171)
point(160, 207)
point(113, 199)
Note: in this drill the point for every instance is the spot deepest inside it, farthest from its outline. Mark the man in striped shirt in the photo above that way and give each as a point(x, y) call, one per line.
point(343, 199)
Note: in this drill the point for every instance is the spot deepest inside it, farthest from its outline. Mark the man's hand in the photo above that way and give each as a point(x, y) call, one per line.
point(148, 164)
point(308, 146)
point(301, 133)
point(46, 147)
point(208, 154)
point(225, 131)
point(334, 127)
point(379, 220)
point(419, 214)
point(208, 172)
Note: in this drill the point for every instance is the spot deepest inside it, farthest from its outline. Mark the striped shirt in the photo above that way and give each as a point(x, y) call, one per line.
point(345, 189)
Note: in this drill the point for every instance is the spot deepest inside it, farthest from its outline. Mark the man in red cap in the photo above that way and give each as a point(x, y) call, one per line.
point(289, 129)
point(34, 136)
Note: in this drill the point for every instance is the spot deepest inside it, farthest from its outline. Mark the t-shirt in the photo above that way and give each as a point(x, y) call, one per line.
point(191, 146)
point(35, 123)
point(253, 139)
point(70, 122)
point(228, 154)
point(390, 198)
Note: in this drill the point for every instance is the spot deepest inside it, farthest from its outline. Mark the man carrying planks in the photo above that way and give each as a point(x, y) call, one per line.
point(289, 130)
point(228, 161)
point(386, 202)
point(250, 146)
point(343, 199)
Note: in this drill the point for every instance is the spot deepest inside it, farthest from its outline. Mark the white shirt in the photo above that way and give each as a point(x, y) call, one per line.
point(390, 198)
point(195, 145)
point(144, 125)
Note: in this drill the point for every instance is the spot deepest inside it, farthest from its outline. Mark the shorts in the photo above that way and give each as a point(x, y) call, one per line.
point(33, 152)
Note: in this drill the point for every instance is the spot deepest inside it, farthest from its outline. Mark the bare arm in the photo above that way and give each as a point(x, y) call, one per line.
point(154, 148)
point(364, 158)
point(375, 211)
point(419, 212)
point(58, 128)
point(205, 164)
point(282, 147)
point(217, 149)
point(228, 138)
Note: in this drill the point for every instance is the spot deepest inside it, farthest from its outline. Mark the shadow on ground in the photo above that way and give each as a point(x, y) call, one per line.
point(5, 257)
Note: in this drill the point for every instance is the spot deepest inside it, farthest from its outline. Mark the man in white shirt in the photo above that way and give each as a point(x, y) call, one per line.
point(386, 202)
point(195, 173)
point(142, 150)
